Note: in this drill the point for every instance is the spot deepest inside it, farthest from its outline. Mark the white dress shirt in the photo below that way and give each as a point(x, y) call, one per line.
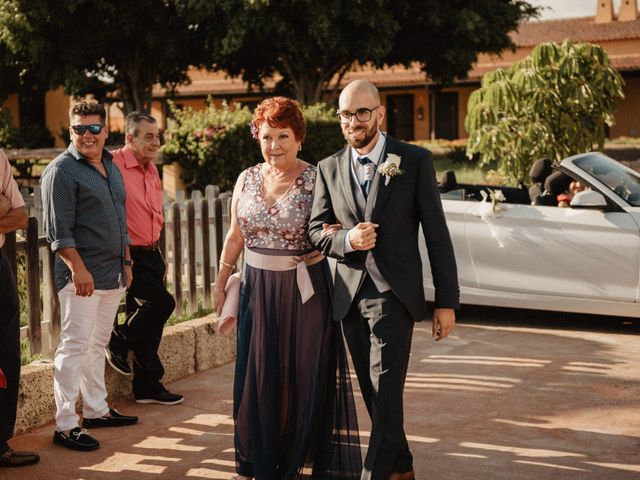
point(357, 170)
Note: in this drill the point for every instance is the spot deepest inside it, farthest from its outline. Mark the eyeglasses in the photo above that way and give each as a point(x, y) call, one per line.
point(362, 115)
point(94, 128)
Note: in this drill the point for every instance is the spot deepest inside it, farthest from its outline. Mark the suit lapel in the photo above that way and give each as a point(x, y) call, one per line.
point(344, 172)
point(383, 188)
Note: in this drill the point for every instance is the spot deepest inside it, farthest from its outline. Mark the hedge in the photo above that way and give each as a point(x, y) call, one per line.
point(215, 144)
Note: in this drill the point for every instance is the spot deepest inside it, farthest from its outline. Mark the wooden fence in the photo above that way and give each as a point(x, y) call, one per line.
point(188, 244)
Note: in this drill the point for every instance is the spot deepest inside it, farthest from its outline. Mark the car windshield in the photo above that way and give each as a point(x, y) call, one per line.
point(621, 180)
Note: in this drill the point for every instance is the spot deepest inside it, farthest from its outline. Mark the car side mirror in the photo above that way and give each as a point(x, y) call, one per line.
point(589, 199)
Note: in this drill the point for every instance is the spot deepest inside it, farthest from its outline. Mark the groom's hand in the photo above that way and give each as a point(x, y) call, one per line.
point(363, 236)
point(444, 320)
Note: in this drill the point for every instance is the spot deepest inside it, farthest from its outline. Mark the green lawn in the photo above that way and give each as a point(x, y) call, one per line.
point(465, 172)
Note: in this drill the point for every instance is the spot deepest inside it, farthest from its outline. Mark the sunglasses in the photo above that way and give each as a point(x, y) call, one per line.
point(94, 128)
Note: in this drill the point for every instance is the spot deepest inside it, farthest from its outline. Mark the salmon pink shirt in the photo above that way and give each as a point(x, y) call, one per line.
point(8, 186)
point(145, 216)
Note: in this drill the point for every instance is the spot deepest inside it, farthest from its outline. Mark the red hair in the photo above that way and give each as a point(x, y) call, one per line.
point(279, 112)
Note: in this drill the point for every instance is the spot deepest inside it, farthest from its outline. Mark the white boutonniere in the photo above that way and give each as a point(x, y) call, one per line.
point(391, 167)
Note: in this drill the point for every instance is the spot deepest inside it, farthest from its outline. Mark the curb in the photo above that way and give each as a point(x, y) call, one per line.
point(186, 348)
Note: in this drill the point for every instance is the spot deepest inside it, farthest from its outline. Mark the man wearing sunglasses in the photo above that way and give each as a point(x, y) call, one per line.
point(83, 197)
point(149, 304)
point(378, 294)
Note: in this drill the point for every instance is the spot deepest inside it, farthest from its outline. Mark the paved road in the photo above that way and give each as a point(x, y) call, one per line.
point(511, 395)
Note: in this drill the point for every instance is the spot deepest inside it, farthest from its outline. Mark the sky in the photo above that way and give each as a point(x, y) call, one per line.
point(568, 8)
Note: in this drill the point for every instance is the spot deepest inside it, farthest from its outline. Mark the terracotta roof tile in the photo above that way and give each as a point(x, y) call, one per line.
point(578, 29)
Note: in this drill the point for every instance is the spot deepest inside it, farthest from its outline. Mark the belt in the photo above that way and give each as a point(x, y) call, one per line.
point(153, 246)
point(284, 262)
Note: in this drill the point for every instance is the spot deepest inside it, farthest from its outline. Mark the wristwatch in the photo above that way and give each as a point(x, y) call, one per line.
point(128, 263)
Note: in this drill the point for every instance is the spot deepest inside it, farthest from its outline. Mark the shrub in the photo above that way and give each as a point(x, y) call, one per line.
point(8, 133)
point(34, 136)
point(26, 136)
point(215, 144)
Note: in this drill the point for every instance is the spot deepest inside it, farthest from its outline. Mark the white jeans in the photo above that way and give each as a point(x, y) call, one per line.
point(79, 362)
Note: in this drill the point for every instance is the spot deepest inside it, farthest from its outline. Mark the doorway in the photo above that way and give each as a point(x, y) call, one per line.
point(446, 115)
point(400, 116)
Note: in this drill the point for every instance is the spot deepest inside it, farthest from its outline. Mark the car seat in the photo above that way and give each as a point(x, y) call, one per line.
point(554, 185)
point(539, 172)
point(448, 182)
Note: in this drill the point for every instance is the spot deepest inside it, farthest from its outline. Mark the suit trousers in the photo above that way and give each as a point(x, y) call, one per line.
point(79, 360)
point(149, 306)
point(9, 351)
point(378, 329)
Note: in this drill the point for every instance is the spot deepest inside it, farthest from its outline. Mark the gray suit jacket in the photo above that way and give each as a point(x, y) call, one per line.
point(407, 201)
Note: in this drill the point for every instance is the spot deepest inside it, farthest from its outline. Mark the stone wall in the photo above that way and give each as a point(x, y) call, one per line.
point(186, 348)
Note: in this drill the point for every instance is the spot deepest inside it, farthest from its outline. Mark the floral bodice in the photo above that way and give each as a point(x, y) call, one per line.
point(284, 224)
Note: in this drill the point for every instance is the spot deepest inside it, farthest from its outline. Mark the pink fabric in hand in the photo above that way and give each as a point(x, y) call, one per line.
point(229, 314)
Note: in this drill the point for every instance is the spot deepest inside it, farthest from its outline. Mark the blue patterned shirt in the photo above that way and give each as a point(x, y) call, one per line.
point(86, 211)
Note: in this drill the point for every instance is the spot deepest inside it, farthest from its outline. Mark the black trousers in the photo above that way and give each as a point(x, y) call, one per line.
point(378, 329)
point(9, 351)
point(149, 305)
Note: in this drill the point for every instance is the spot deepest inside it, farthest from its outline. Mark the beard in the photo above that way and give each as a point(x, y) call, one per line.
point(369, 135)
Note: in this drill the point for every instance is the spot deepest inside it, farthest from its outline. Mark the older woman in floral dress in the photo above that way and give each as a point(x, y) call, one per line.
point(293, 407)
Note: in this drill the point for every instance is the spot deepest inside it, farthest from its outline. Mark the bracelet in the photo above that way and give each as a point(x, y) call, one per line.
point(226, 265)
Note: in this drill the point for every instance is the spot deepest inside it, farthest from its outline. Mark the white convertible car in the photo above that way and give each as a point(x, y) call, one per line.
point(530, 253)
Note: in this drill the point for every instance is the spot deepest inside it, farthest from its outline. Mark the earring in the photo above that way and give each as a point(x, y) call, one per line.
point(300, 148)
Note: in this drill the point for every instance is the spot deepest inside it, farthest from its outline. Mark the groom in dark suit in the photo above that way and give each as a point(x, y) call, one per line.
point(370, 199)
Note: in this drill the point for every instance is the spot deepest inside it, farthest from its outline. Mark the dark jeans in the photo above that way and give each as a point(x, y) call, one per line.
point(149, 305)
point(378, 329)
point(9, 351)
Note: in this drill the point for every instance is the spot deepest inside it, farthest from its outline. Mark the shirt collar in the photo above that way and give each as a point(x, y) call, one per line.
point(130, 160)
point(375, 154)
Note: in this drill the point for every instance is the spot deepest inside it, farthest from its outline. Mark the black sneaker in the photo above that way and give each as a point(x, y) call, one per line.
point(118, 361)
point(164, 397)
point(114, 419)
point(77, 439)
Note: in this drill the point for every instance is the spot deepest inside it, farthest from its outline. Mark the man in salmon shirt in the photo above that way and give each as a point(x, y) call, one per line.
point(12, 217)
point(149, 304)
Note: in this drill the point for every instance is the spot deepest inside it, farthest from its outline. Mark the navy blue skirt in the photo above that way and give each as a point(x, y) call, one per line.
point(293, 411)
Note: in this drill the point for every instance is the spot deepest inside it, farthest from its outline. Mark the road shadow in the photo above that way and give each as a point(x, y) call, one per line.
point(523, 394)
point(511, 395)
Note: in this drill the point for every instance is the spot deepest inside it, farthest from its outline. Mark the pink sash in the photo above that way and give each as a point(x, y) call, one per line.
point(279, 263)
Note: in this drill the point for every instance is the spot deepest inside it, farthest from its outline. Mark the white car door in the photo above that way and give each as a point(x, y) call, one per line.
point(455, 211)
point(556, 251)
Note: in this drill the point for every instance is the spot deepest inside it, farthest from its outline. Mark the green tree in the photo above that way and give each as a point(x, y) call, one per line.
point(303, 44)
point(446, 36)
point(553, 103)
point(98, 46)
point(310, 45)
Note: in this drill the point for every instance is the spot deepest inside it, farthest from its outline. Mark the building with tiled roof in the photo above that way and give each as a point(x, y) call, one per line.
point(418, 108)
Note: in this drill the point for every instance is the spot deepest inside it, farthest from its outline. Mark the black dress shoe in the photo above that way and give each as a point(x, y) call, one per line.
point(114, 419)
point(77, 439)
point(164, 397)
point(11, 458)
point(119, 361)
